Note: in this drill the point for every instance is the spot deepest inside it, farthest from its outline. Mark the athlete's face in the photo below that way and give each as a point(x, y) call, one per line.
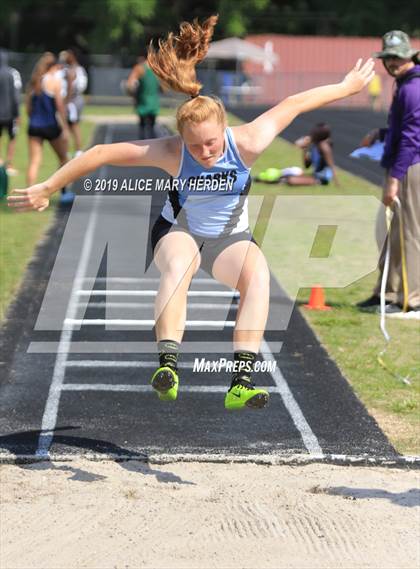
point(396, 66)
point(205, 141)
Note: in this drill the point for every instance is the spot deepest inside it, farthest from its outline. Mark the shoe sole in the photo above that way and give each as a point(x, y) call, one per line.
point(258, 401)
point(163, 382)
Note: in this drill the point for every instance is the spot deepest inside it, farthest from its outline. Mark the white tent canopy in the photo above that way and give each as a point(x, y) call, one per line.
point(241, 50)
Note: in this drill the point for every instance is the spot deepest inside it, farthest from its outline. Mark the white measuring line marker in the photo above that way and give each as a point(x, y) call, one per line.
point(196, 305)
point(139, 348)
point(121, 364)
point(308, 437)
point(121, 322)
point(49, 419)
point(133, 280)
point(148, 388)
point(191, 293)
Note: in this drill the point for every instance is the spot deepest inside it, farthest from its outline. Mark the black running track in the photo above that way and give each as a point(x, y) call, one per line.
point(93, 397)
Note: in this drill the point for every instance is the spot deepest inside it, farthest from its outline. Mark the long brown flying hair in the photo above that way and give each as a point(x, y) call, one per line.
point(174, 63)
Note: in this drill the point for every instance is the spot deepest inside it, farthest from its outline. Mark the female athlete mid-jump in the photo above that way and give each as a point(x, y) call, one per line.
point(204, 222)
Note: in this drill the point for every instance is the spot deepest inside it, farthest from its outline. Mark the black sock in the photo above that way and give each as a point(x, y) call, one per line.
point(168, 353)
point(243, 365)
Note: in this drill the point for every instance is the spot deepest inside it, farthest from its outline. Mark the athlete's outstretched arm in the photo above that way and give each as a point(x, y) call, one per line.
point(136, 153)
point(258, 134)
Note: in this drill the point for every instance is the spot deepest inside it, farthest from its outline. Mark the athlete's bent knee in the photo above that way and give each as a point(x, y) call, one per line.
point(257, 281)
point(179, 268)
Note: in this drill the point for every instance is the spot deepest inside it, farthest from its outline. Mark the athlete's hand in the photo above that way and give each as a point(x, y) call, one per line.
point(33, 198)
point(359, 76)
point(303, 142)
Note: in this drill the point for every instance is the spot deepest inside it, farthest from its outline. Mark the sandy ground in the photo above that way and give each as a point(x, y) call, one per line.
point(104, 515)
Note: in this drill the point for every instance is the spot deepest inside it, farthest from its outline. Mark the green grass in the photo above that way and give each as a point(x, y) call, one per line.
point(19, 233)
point(107, 110)
point(352, 338)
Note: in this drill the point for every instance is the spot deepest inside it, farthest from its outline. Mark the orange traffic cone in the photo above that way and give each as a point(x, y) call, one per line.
point(317, 299)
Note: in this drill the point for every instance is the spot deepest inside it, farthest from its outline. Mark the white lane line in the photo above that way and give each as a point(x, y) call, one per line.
point(51, 408)
point(308, 437)
point(148, 388)
point(196, 305)
point(213, 293)
point(121, 322)
point(49, 419)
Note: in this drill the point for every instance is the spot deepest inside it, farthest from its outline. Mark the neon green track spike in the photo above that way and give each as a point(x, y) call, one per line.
point(244, 394)
point(165, 382)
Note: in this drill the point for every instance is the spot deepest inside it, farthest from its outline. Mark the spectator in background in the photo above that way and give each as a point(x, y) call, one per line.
point(77, 80)
point(317, 152)
point(143, 86)
point(47, 114)
point(401, 160)
point(10, 88)
point(375, 93)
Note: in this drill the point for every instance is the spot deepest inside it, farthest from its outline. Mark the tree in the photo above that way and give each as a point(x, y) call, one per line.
point(126, 26)
point(118, 23)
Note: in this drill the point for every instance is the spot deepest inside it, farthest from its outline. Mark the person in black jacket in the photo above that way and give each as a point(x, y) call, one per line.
point(10, 86)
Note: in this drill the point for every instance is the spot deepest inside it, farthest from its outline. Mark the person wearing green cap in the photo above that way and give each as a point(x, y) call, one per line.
point(401, 160)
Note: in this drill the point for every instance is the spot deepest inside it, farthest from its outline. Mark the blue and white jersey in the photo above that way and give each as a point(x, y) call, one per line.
point(210, 202)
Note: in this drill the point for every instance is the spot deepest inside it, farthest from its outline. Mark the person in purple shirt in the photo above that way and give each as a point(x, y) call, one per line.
point(401, 160)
